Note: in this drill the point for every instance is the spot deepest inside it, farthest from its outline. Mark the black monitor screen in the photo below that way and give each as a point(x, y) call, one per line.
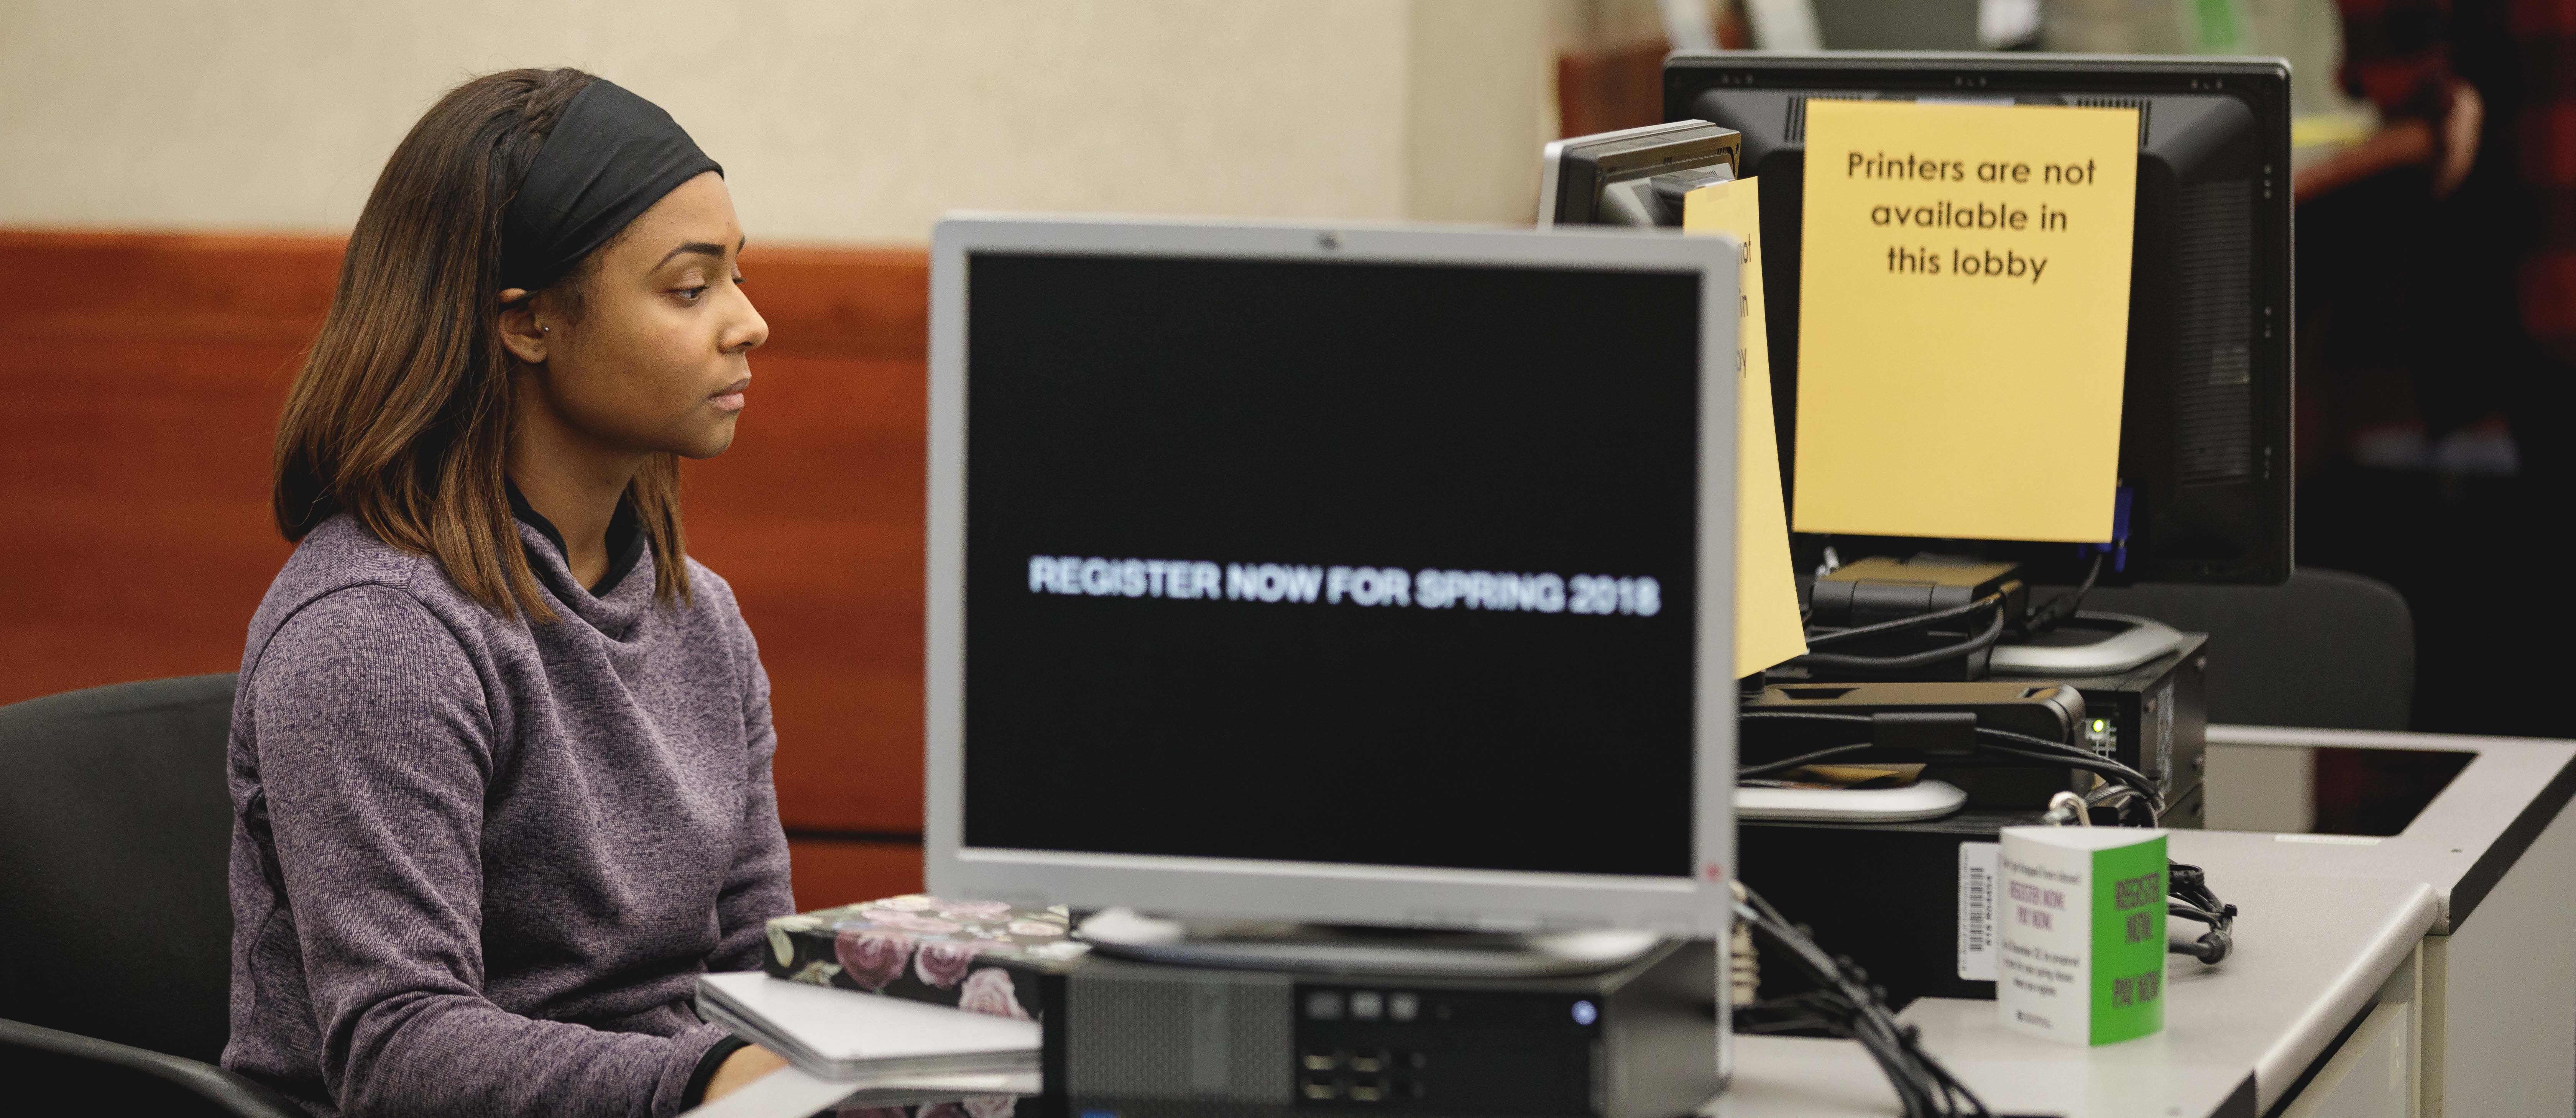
point(1331, 562)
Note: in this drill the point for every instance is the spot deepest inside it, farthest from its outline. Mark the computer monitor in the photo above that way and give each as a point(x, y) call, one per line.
point(1635, 176)
point(2205, 416)
point(1374, 576)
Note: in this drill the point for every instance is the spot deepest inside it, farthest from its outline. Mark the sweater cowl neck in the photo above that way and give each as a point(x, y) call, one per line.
point(614, 605)
point(616, 613)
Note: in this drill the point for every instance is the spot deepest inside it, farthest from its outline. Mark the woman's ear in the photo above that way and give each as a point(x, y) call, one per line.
point(523, 326)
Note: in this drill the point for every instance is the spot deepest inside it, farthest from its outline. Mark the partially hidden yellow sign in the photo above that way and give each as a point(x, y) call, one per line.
point(1963, 319)
point(1768, 629)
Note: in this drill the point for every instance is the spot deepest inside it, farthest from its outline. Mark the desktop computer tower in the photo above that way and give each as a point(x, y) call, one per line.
point(1147, 1040)
point(1912, 903)
point(2158, 715)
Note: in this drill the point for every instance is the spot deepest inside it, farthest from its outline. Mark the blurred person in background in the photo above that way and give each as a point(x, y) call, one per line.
point(2437, 291)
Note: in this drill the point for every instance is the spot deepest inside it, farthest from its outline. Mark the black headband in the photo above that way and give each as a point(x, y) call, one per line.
point(611, 156)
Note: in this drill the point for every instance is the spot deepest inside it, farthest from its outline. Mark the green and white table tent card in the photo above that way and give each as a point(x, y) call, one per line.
point(2080, 933)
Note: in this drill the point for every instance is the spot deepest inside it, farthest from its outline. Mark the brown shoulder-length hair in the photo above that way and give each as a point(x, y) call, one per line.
point(401, 414)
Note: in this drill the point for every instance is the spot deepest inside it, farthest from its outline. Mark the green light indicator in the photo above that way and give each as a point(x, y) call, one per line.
point(2100, 725)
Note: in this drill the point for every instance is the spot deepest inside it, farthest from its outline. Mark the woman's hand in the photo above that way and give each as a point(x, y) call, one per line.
point(740, 1070)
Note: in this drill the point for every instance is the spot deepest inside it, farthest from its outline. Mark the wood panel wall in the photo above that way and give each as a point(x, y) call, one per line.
point(145, 373)
point(1610, 88)
point(1621, 85)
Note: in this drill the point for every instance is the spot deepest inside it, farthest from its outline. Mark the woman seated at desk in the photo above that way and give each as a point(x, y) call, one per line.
point(500, 757)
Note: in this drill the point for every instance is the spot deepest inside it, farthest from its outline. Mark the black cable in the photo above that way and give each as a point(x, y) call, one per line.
point(2192, 899)
point(1848, 1006)
point(1968, 647)
point(2056, 753)
point(2211, 948)
point(1831, 636)
point(2124, 793)
point(1810, 1011)
point(2096, 765)
point(1852, 1009)
point(2192, 912)
point(1806, 716)
point(1769, 767)
point(2063, 606)
point(2083, 759)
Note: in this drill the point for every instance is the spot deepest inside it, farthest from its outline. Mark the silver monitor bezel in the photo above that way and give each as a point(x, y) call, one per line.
point(1315, 891)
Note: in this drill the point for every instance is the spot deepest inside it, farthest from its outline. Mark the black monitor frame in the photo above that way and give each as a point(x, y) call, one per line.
point(1580, 174)
point(2206, 417)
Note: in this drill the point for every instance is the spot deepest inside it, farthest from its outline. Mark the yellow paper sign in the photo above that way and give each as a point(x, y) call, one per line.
point(1963, 319)
point(1768, 629)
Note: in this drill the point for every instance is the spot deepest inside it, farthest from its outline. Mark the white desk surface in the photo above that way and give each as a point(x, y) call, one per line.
point(2310, 954)
point(2325, 922)
point(2326, 919)
point(2460, 845)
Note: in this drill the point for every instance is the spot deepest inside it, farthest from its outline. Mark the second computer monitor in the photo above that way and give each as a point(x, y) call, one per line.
point(2205, 414)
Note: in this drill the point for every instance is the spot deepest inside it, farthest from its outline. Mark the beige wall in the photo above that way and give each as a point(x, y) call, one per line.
point(837, 120)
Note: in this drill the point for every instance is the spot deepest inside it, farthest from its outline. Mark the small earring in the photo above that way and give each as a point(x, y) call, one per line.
point(545, 329)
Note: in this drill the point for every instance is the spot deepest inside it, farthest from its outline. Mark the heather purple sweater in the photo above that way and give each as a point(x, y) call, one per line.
point(477, 864)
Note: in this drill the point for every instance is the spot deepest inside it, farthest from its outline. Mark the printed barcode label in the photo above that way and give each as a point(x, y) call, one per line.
point(1977, 911)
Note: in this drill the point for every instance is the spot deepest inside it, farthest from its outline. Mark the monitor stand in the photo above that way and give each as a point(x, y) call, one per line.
point(2088, 644)
point(1337, 949)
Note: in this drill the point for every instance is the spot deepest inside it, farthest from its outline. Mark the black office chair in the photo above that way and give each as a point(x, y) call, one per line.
point(2325, 649)
point(87, 1076)
point(115, 922)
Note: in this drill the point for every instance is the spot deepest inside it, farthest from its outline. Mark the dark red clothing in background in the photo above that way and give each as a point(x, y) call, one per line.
point(2521, 57)
point(2431, 318)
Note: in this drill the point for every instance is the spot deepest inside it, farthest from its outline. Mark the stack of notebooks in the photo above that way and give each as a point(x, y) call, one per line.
point(842, 1034)
point(906, 998)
